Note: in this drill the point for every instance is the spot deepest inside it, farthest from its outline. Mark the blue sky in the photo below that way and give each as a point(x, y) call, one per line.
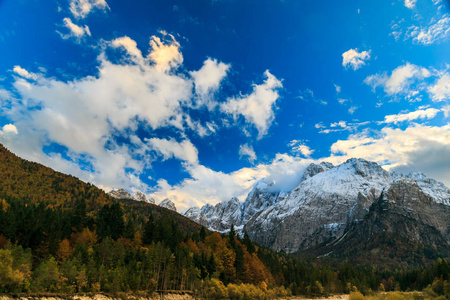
point(197, 100)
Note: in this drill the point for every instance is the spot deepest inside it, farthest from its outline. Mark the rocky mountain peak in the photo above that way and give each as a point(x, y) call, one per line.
point(365, 168)
point(123, 194)
point(328, 200)
point(314, 169)
point(120, 194)
point(167, 203)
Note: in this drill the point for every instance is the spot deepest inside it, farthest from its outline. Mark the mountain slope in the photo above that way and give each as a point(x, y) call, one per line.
point(404, 224)
point(32, 181)
point(35, 183)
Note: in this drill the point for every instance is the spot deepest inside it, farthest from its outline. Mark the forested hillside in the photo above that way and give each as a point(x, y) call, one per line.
point(58, 234)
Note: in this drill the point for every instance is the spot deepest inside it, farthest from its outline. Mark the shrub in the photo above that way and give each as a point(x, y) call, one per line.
point(356, 296)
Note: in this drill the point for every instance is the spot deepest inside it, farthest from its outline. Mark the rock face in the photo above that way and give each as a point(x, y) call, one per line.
point(120, 194)
point(166, 203)
point(320, 207)
point(328, 202)
point(405, 222)
point(123, 194)
point(405, 209)
point(221, 216)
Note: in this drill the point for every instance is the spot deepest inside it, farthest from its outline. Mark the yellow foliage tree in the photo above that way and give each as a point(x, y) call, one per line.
point(64, 250)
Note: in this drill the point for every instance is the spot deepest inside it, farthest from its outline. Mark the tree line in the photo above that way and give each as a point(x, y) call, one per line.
point(117, 248)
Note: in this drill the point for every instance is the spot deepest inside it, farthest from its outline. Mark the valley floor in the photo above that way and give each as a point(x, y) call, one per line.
point(332, 297)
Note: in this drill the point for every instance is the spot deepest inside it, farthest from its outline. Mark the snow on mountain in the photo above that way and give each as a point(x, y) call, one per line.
point(435, 189)
point(327, 199)
point(123, 194)
point(320, 206)
point(167, 203)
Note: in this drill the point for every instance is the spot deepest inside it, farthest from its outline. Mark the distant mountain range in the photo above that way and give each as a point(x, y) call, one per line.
point(355, 205)
point(355, 210)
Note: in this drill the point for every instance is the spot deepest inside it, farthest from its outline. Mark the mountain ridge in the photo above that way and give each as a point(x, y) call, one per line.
point(327, 202)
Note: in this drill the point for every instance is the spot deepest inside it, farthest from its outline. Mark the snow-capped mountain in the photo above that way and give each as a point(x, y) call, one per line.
point(221, 216)
point(325, 204)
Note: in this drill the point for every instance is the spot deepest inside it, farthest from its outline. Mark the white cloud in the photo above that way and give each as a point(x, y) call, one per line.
point(340, 126)
point(352, 109)
point(9, 129)
point(410, 3)
point(417, 148)
point(338, 88)
point(446, 110)
point(299, 147)
point(355, 59)
point(129, 45)
point(75, 31)
point(248, 152)
point(85, 114)
point(207, 80)
point(320, 125)
point(435, 32)
point(418, 114)
point(202, 130)
point(24, 73)
point(185, 150)
point(81, 8)
point(257, 108)
point(400, 80)
point(440, 91)
point(166, 56)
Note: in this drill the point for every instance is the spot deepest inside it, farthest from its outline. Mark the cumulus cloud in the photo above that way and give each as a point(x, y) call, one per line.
point(246, 151)
point(410, 3)
point(165, 55)
point(257, 108)
point(129, 45)
point(9, 129)
point(400, 79)
point(81, 8)
point(418, 114)
point(185, 150)
point(355, 59)
point(75, 31)
point(417, 148)
point(207, 80)
point(84, 115)
point(24, 73)
point(440, 91)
